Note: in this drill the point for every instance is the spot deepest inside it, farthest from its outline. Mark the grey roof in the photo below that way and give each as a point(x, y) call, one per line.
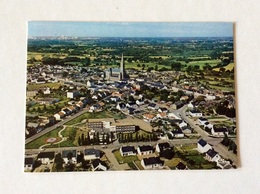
point(128, 149)
point(92, 152)
point(211, 153)
point(152, 161)
point(49, 155)
point(28, 160)
point(181, 166)
point(202, 142)
point(64, 153)
point(145, 148)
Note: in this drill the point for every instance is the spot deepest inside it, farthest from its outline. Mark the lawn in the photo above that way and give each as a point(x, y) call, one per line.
point(173, 162)
point(38, 86)
point(42, 140)
point(126, 159)
point(79, 119)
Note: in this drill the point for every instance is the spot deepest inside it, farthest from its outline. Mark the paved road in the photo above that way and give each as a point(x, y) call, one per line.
point(67, 119)
point(47, 130)
point(222, 150)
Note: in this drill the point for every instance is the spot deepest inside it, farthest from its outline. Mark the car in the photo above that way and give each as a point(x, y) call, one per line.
point(103, 146)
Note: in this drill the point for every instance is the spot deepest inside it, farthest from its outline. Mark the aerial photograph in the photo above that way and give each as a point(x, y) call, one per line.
point(117, 96)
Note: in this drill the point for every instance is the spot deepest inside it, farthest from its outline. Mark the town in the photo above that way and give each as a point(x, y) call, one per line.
point(102, 104)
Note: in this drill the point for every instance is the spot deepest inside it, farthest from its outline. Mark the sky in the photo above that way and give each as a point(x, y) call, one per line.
point(130, 29)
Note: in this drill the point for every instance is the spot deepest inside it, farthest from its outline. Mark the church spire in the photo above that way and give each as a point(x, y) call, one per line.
point(122, 67)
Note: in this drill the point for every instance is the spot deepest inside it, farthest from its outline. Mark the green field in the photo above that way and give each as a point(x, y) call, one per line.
point(125, 159)
point(38, 86)
point(42, 140)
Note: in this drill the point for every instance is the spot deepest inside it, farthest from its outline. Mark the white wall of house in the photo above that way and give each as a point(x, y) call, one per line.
point(204, 149)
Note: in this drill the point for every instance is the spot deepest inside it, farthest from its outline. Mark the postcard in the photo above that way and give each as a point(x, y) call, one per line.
point(116, 96)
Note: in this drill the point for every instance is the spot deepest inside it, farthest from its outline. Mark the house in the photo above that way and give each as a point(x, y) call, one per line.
point(91, 154)
point(127, 151)
point(219, 131)
point(131, 105)
point(161, 115)
point(139, 102)
point(183, 124)
point(28, 163)
point(152, 163)
point(144, 150)
point(73, 94)
point(121, 106)
point(202, 120)
point(212, 155)
point(203, 146)
point(131, 111)
point(46, 157)
point(69, 156)
point(162, 146)
point(186, 129)
point(178, 133)
point(162, 109)
point(208, 125)
point(151, 106)
point(181, 166)
point(98, 165)
point(224, 164)
point(195, 113)
point(191, 106)
point(149, 117)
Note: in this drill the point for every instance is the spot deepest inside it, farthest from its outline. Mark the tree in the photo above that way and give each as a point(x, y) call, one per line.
point(79, 141)
point(156, 68)
point(58, 162)
point(87, 61)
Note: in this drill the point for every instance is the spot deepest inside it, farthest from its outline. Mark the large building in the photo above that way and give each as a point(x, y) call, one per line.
point(117, 74)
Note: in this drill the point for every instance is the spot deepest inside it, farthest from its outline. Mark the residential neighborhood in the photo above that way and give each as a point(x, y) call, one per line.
point(100, 105)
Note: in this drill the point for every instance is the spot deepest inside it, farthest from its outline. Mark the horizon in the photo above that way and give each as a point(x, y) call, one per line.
point(130, 29)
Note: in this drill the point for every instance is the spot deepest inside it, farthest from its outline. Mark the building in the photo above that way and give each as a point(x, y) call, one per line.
point(28, 163)
point(212, 155)
point(162, 146)
point(46, 157)
point(152, 163)
point(181, 166)
point(91, 154)
point(69, 156)
point(117, 74)
point(203, 146)
point(98, 165)
point(219, 131)
point(144, 150)
point(127, 151)
point(73, 94)
point(195, 113)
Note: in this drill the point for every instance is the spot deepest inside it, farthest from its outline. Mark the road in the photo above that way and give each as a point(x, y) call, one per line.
point(214, 141)
point(67, 119)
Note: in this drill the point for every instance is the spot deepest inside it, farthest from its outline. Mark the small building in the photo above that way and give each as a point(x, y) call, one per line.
point(195, 113)
point(91, 154)
point(144, 150)
point(73, 94)
point(178, 133)
point(219, 131)
point(181, 166)
point(28, 163)
point(162, 146)
point(202, 120)
point(46, 157)
point(98, 165)
point(212, 155)
point(69, 156)
point(162, 109)
point(203, 146)
point(127, 151)
point(152, 163)
point(149, 117)
point(151, 106)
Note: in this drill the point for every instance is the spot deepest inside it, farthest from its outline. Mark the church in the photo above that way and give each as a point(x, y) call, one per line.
point(117, 74)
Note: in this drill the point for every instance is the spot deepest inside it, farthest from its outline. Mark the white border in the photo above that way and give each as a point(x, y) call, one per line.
point(14, 16)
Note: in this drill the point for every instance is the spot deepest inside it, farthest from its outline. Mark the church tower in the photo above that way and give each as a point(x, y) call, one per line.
point(122, 68)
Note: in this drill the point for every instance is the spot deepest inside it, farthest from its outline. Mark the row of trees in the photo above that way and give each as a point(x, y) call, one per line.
point(96, 140)
point(135, 137)
point(229, 143)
